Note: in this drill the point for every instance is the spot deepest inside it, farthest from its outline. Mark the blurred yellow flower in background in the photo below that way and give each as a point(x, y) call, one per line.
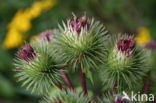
point(143, 37)
point(38, 7)
point(21, 23)
point(15, 38)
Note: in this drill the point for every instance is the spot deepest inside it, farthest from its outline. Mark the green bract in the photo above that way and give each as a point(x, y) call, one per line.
point(66, 97)
point(39, 74)
point(81, 50)
point(124, 64)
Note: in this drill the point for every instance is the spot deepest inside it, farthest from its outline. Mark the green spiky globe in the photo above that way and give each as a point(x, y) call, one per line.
point(113, 98)
point(67, 96)
point(38, 73)
point(80, 44)
point(124, 64)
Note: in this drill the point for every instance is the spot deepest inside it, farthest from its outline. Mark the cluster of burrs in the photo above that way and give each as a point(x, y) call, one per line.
point(80, 46)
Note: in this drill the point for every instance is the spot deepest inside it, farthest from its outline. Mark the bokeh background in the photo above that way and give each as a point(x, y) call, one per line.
point(22, 20)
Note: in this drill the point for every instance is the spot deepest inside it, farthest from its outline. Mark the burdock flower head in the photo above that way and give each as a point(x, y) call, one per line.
point(124, 61)
point(36, 66)
point(81, 43)
point(119, 100)
point(79, 23)
point(151, 45)
point(26, 53)
point(121, 56)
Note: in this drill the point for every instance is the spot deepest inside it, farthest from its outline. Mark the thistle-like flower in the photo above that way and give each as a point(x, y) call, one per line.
point(124, 64)
point(118, 101)
point(26, 53)
point(39, 72)
point(110, 98)
point(67, 96)
point(81, 43)
point(151, 45)
point(121, 101)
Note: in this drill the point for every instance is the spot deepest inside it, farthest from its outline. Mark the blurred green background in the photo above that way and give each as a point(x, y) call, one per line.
point(119, 16)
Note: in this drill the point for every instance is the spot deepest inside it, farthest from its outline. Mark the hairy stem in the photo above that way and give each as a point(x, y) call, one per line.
point(83, 82)
point(154, 101)
point(114, 90)
point(147, 85)
point(66, 79)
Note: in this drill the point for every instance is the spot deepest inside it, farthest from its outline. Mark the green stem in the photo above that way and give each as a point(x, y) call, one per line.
point(83, 82)
point(114, 90)
point(147, 85)
point(66, 79)
point(59, 86)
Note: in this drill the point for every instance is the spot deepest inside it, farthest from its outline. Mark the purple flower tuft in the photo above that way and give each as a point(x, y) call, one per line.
point(119, 100)
point(77, 23)
point(47, 35)
point(126, 45)
point(26, 53)
point(151, 45)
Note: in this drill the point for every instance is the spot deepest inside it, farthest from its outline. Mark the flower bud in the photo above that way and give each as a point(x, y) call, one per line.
point(35, 65)
point(26, 53)
point(47, 35)
point(121, 55)
point(121, 101)
point(81, 44)
point(77, 23)
point(118, 101)
point(151, 45)
point(125, 62)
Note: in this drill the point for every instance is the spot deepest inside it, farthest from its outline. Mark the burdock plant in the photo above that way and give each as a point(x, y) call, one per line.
point(80, 46)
